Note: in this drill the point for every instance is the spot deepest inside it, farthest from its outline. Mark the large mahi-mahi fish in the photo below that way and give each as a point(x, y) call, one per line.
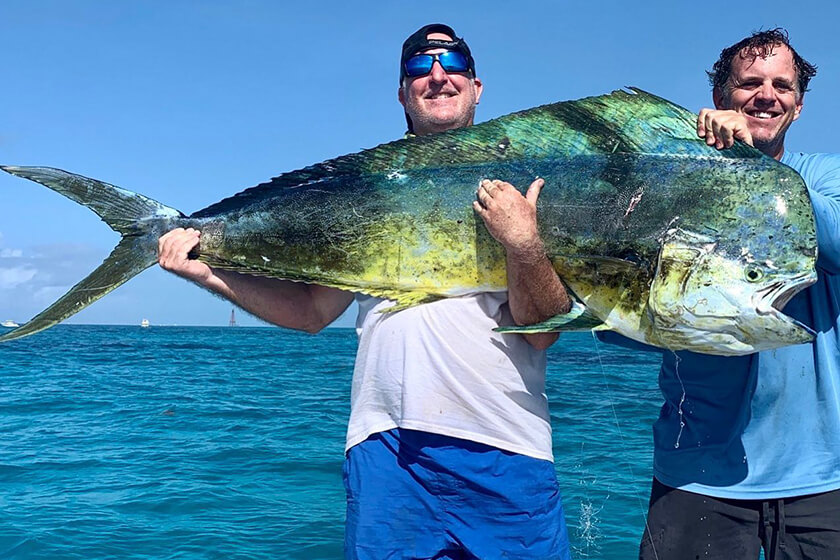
point(658, 236)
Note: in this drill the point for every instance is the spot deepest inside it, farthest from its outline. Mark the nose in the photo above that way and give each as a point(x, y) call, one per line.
point(766, 91)
point(438, 74)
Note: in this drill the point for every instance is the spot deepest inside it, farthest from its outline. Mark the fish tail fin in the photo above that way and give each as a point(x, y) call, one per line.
point(140, 221)
point(129, 258)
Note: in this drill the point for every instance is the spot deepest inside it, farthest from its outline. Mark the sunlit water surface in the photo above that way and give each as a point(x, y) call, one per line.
point(170, 442)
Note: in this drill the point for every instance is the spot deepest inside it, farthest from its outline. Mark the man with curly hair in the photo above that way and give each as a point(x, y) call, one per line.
point(747, 449)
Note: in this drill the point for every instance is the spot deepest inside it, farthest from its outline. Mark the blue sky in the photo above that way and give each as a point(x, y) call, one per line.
point(190, 102)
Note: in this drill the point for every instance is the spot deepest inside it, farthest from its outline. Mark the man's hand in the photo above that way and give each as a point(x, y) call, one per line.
point(510, 217)
point(173, 248)
point(535, 293)
point(722, 127)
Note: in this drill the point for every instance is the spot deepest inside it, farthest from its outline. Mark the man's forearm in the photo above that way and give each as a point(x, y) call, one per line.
point(287, 304)
point(284, 303)
point(535, 292)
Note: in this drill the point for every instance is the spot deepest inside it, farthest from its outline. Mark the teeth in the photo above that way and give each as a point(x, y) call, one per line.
point(761, 115)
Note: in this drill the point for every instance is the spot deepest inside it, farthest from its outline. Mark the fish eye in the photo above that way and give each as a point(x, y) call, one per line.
point(753, 274)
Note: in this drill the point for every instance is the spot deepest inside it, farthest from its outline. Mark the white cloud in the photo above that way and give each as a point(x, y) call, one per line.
point(6, 252)
point(34, 277)
point(15, 276)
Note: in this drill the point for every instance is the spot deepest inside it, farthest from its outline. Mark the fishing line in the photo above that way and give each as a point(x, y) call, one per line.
point(677, 361)
point(642, 508)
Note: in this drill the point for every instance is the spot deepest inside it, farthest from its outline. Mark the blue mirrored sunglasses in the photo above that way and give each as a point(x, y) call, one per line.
point(421, 64)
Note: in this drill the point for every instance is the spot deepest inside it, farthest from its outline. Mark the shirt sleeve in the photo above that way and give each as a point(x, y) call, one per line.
point(823, 179)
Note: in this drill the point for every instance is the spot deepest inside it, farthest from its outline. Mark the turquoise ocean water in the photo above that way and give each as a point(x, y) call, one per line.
point(192, 442)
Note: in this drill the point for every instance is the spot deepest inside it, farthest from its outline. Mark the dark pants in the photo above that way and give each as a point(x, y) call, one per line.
point(687, 526)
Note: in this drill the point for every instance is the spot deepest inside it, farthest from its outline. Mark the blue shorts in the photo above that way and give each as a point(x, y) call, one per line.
point(413, 494)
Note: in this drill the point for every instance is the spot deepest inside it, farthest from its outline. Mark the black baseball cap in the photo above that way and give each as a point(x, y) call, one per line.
point(418, 41)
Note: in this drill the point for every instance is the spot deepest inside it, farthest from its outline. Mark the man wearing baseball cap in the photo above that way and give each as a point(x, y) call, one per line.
point(449, 451)
point(455, 55)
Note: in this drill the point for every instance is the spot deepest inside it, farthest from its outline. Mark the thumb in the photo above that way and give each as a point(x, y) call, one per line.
point(741, 130)
point(744, 135)
point(534, 190)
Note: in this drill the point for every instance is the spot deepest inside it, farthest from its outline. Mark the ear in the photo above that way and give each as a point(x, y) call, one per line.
point(718, 98)
point(479, 87)
point(799, 103)
point(401, 96)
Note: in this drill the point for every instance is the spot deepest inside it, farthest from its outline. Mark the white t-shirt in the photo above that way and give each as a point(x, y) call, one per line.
point(440, 368)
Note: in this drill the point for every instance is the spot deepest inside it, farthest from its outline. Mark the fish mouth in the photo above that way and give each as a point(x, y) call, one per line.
point(773, 298)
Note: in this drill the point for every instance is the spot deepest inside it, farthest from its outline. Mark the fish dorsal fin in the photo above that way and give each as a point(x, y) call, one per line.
point(624, 121)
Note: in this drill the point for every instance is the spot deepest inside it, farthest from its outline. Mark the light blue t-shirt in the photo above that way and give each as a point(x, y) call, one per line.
point(766, 425)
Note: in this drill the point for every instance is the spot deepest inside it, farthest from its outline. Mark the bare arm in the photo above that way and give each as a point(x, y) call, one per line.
point(535, 292)
point(288, 304)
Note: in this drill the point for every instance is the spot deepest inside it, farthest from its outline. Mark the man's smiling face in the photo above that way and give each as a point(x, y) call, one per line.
point(766, 91)
point(440, 100)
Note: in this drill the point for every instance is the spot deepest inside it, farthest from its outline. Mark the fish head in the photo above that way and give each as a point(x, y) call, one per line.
point(707, 298)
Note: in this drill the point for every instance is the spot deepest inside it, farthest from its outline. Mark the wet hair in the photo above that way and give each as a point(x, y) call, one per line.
point(759, 44)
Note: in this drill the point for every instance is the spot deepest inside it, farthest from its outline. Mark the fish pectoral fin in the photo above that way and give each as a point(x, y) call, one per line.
point(682, 251)
point(578, 319)
point(404, 299)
